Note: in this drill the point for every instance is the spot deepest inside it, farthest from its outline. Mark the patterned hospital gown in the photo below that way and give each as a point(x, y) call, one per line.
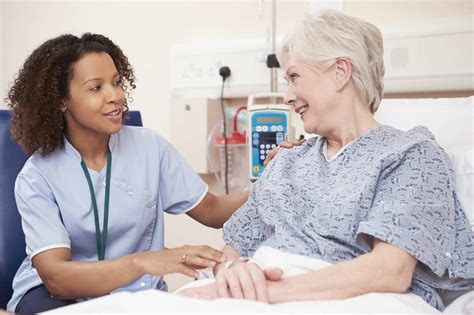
point(393, 185)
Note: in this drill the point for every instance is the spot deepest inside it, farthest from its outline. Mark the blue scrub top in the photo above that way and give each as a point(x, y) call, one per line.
point(148, 177)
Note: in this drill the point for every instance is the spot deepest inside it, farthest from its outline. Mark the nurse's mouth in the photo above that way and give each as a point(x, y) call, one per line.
point(113, 113)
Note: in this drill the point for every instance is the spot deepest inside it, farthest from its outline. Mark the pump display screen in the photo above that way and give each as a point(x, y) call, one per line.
point(269, 120)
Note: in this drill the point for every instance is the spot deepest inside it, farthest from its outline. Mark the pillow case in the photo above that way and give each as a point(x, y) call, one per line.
point(463, 161)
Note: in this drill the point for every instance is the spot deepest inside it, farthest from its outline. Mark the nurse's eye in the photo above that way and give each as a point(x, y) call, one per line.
point(94, 88)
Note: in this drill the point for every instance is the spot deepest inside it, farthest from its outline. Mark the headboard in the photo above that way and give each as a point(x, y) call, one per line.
point(451, 120)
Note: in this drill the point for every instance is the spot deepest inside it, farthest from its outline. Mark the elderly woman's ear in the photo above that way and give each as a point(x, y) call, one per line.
point(343, 72)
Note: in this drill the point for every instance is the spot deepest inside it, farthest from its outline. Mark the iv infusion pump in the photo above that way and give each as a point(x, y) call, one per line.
point(269, 124)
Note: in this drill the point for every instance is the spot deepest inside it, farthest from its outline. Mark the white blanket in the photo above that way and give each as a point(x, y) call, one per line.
point(154, 301)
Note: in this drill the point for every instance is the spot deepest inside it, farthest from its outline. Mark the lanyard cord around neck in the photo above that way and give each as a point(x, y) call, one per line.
point(101, 238)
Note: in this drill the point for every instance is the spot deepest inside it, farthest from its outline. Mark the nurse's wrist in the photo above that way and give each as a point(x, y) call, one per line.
point(138, 263)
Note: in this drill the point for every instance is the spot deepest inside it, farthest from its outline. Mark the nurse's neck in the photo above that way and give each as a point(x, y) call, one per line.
point(93, 149)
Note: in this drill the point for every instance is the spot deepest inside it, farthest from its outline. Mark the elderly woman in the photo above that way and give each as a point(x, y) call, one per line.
point(376, 202)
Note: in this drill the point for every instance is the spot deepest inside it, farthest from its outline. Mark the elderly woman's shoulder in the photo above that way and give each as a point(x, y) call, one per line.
point(419, 135)
point(418, 141)
point(422, 133)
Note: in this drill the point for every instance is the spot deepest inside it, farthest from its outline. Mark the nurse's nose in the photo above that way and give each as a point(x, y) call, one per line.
point(114, 94)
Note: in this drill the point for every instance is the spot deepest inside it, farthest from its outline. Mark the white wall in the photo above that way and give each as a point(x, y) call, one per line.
point(144, 30)
point(147, 30)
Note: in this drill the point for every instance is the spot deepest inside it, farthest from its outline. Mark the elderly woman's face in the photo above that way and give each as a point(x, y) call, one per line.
point(312, 93)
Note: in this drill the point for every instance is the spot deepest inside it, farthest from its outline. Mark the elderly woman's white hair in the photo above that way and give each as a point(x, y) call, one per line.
point(320, 39)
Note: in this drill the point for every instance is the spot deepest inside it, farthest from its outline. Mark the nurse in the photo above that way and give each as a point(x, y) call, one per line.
point(92, 195)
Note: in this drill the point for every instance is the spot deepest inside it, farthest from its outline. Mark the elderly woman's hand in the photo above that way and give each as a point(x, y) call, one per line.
point(285, 145)
point(242, 281)
point(246, 281)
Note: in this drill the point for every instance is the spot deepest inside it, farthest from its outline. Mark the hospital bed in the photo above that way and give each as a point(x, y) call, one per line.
point(451, 121)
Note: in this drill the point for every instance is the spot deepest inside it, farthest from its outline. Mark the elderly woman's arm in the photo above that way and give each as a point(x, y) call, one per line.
point(385, 269)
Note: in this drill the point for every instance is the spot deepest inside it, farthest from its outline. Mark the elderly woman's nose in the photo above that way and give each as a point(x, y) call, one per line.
point(289, 98)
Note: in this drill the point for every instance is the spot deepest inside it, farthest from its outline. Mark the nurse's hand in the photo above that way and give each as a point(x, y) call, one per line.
point(285, 145)
point(246, 281)
point(185, 259)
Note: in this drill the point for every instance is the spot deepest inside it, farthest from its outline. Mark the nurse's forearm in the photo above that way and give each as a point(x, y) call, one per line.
point(227, 205)
point(78, 279)
point(214, 211)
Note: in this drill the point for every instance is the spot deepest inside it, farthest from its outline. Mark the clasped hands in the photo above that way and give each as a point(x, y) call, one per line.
point(243, 280)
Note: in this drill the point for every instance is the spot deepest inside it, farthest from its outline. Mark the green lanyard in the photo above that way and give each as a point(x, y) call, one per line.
point(101, 239)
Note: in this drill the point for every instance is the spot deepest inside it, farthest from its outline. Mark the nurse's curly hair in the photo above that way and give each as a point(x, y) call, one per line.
point(42, 85)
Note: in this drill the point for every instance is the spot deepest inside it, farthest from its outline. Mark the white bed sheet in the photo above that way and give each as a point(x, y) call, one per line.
point(153, 301)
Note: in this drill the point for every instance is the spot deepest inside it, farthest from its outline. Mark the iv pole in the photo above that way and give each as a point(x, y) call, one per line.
point(272, 62)
point(274, 78)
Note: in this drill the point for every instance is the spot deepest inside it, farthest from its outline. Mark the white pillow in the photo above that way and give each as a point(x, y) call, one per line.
point(463, 161)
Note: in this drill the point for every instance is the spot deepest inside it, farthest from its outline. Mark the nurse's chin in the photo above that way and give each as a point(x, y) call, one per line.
point(114, 129)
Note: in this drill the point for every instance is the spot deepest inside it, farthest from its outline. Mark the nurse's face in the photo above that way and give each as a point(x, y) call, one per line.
point(96, 97)
point(312, 94)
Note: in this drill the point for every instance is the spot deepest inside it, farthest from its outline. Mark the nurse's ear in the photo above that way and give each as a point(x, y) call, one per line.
point(343, 72)
point(63, 107)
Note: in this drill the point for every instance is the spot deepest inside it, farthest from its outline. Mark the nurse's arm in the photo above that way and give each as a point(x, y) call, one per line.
point(214, 211)
point(69, 279)
point(385, 269)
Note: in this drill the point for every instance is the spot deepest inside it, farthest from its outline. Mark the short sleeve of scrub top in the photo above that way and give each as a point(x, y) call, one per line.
point(40, 216)
point(181, 189)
